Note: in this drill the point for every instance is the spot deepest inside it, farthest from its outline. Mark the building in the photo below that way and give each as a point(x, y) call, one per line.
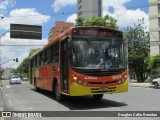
point(89, 8)
point(60, 26)
point(154, 19)
point(7, 73)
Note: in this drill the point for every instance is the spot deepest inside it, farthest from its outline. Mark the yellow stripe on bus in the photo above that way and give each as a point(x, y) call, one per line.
point(79, 90)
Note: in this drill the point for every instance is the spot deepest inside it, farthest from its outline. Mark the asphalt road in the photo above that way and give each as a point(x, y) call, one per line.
point(22, 97)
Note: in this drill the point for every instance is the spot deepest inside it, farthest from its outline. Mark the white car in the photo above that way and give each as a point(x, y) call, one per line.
point(156, 82)
point(24, 78)
point(15, 79)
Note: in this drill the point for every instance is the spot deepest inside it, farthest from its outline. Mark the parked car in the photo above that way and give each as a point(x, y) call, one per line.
point(156, 82)
point(24, 78)
point(15, 79)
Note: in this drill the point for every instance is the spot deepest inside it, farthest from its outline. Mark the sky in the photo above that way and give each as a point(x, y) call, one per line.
point(46, 12)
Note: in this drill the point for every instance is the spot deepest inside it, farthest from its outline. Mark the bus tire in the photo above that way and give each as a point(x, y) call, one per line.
point(97, 97)
point(58, 95)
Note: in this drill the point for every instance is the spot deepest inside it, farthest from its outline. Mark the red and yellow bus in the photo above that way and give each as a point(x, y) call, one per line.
point(81, 61)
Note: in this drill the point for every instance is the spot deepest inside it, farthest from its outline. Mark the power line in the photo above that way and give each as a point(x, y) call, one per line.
point(70, 12)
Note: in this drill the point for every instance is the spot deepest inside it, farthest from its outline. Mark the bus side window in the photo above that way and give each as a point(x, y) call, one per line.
point(43, 58)
point(48, 55)
point(40, 59)
point(35, 61)
point(51, 54)
point(55, 52)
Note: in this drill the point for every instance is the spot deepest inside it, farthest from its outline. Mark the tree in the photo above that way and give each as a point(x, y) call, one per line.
point(138, 49)
point(106, 21)
point(32, 51)
point(153, 66)
point(1, 72)
point(80, 21)
point(23, 68)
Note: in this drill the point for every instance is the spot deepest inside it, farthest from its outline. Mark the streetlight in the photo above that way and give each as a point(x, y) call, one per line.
point(2, 35)
point(9, 60)
point(6, 57)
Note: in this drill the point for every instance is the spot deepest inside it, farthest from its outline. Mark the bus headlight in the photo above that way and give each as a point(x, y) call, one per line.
point(122, 80)
point(74, 78)
point(79, 81)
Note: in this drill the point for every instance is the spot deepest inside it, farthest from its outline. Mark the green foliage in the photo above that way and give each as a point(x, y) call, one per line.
point(1, 72)
point(106, 21)
point(138, 49)
point(80, 21)
point(153, 66)
point(23, 68)
point(32, 51)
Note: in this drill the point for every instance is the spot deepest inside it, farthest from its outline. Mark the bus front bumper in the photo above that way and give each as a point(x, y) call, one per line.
point(79, 90)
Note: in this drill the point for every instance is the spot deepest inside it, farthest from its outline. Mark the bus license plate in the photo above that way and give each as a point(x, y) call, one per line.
point(103, 89)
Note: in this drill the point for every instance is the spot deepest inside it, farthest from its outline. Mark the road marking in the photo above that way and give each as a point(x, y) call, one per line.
point(29, 108)
point(6, 95)
point(9, 102)
point(8, 86)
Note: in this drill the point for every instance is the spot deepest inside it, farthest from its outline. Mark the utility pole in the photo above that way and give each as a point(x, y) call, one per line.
point(1, 45)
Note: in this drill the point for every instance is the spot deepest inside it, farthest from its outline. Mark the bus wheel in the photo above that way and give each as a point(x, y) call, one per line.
point(97, 97)
point(58, 95)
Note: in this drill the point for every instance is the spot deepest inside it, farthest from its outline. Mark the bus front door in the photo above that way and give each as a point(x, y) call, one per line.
point(64, 66)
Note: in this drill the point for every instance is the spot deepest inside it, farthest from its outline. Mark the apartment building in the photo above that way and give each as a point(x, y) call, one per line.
point(60, 26)
point(89, 8)
point(154, 19)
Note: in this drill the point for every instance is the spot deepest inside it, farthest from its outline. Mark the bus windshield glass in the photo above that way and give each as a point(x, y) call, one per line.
point(98, 53)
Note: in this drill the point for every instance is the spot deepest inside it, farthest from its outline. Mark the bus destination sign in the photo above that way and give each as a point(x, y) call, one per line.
point(96, 32)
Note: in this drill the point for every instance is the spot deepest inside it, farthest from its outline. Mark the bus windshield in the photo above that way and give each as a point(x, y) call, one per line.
point(98, 53)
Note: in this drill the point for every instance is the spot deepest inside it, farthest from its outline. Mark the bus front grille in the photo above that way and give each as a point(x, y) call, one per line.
point(100, 90)
point(110, 82)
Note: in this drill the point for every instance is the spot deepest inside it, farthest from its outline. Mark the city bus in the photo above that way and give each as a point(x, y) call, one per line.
point(81, 61)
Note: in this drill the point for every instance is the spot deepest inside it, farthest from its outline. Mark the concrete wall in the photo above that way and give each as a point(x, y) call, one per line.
point(154, 27)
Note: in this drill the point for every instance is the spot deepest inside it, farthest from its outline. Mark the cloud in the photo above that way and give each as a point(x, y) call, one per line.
point(6, 3)
point(58, 4)
point(20, 47)
point(24, 16)
point(72, 18)
point(124, 16)
point(17, 48)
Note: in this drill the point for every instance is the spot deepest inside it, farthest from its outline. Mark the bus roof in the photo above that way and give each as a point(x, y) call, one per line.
point(68, 32)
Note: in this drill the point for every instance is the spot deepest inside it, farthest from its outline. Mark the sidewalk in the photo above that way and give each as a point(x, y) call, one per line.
point(1, 108)
point(146, 85)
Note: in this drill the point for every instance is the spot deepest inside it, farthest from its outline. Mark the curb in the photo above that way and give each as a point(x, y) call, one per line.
point(144, 86)
point(1, 108)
